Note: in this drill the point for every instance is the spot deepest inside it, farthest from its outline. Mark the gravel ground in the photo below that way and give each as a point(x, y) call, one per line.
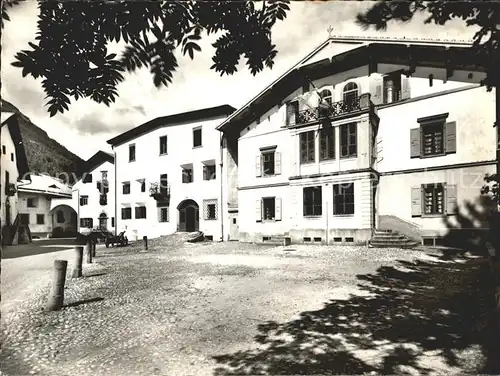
point(172, 309)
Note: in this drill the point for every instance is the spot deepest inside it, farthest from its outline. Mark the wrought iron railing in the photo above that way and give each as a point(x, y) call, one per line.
point(159, 192)
point(333, 110)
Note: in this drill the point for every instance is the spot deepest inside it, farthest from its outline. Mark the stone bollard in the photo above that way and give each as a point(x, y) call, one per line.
point(145, 239)
point(56, 297)
point(77, 271)
point(88, 252)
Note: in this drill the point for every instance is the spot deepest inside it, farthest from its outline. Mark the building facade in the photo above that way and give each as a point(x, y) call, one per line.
point(35, 207)
point(168, 175)
point(93, 195)
point(361, 134)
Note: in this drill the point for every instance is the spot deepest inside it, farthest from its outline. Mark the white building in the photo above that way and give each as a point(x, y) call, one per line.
point(362, 133)
point(34, 207)
point(93, 196)
point(12, 165)
point(168, 175)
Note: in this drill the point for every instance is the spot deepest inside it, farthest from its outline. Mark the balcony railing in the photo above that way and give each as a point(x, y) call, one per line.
point(334, 110)
point(103, 186)
point(10, 189)
point(160, 192)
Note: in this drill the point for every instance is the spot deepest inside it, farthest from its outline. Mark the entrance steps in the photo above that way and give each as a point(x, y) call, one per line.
point(391, 239)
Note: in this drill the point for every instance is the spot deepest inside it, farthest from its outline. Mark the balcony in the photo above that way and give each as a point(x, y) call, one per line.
point(103, 186)
point(10, 189)
point(335, 110)
point(160, 193)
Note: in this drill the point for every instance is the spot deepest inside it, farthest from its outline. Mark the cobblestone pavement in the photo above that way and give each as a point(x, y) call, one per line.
point(170, 310)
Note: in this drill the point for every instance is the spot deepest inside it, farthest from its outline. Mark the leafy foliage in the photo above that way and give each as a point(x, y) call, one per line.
point(71, 54)
point(492, 187)
point(482, 14)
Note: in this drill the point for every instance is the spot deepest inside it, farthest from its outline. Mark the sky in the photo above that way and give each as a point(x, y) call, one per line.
point(86, 127)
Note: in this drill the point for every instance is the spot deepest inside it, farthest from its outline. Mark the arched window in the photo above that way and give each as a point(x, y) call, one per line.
point(326, 96)
point(350, 92)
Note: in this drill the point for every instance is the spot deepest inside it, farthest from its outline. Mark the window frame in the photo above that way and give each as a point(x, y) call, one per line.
point(304, 140)
point(263, 216)
point(314, 206)
point(434, 186)
point(138, 212)
point(126, 184)
point(85, 220)
point(349, 134)
point(263, 154)
point(322, 133)
point(212, 175)
point(197, 129)
point(130, 154)
point(42, 216)
point(24, 215)
point(161, 138)
point(429, 125)
point(127, 209)
point(340, 190)
point(161, 209)
point(184, 169)
point(84, 200)
point(34, 201)
point(350, 92)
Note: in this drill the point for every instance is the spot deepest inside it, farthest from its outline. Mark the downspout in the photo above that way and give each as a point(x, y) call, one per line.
point(116, 192)
point(221, 185)
point(77, 211)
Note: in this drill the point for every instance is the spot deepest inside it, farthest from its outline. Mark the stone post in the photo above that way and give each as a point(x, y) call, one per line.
point(145, 239)
point(77, 271)
point(88, 251)
point(56, 297)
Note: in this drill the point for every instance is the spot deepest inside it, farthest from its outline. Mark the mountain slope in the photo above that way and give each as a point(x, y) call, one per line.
point(44, 154)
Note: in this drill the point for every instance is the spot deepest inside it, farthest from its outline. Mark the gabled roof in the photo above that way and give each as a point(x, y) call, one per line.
point(98, 159)
point(365, 52)
point(169, 120)
point(45, 184)
point(9, 119)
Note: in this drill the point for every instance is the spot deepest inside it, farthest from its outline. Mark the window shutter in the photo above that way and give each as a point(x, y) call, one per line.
point(405, 87)
point(415, 143)
point(258, 210)
point(451, 199)
point(258, 165)
point(376, 83)
point(277, 208)
point(451, 137)
point(416, 201)
point(277, 163)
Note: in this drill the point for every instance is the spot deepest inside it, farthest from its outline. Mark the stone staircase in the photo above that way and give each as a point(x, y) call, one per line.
point(391, 239)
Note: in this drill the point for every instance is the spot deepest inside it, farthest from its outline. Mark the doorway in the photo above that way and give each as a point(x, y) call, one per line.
point(103, 221)
point(188, 216)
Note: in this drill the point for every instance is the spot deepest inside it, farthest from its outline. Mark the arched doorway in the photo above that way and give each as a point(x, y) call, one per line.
point(64, 221)
point(103, 221)
point(188, 216)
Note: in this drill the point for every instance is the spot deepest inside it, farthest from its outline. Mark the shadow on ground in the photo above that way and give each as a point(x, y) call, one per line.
point(440, 308)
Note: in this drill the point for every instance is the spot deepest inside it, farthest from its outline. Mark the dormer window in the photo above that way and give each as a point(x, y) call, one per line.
point(350, 92)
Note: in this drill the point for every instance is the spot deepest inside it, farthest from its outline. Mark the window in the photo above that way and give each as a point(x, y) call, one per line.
point(84, 200)
point(307, 147)
point(209, 172)
point(131, 153)
point(12, 157)
point(268, 161)
point(163, 214)
point(87, 178)
point(187, 175)
point(313, 202)
point(327, 144)
point(197, 137)
point(24, 219)
point(143, 185)
point(292, 112)
point(31, 202)
point(326, 97)
point(112, 221)
point(60, 217)
point(140, 212)
point(350, 93)
point(126, 188)
point(126, 213)
point(343, 199)
point(163, 145)
point(163, 183)
point(348, 140)
point(4, 149)
point(433, 199)
point(268, 208)
point(392, 87)
point(87, 222)
point(433, 139)
point(40, 219)
point(210, 209)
